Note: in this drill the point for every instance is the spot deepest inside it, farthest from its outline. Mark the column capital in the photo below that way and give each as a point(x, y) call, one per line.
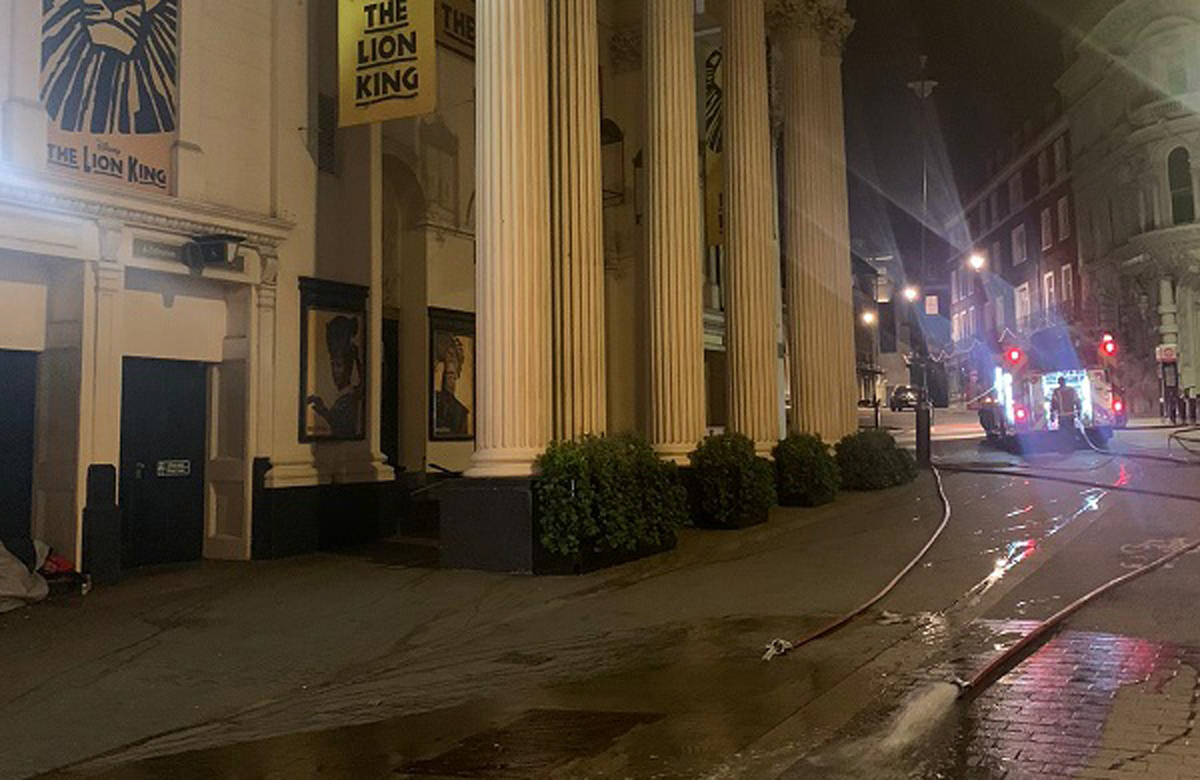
point(794, 17)
point(625, 49)
point(836, 26)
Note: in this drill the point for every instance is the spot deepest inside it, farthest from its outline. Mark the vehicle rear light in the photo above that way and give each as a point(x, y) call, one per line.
point(1118, 406)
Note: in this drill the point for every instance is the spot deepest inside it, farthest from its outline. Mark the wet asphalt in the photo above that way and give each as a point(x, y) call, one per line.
point(654, 670)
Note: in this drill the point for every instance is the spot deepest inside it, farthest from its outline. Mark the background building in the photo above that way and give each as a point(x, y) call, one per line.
point(1133, 95)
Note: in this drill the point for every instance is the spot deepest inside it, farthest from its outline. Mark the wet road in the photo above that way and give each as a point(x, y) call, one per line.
point(654, 670)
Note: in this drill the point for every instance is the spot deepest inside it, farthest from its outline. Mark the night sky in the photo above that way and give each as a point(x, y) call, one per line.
point(996, 61)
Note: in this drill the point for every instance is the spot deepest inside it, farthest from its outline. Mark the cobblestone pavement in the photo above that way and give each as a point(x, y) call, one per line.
point(1085, 705)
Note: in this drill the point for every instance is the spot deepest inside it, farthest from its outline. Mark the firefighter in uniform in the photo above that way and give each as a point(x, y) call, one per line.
point(1064, 404)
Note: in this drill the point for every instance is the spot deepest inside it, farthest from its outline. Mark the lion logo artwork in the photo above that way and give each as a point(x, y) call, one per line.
point(109, 66)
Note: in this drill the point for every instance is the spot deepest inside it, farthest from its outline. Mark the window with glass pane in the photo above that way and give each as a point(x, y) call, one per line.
point(1064, 218)
point(1179, 174)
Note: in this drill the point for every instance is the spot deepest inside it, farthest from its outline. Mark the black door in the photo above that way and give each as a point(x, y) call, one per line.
point(163, 413)
point(18, 388)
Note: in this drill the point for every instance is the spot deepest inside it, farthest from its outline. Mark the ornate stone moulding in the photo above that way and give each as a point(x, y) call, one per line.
point(824, 19)
point(166, 214)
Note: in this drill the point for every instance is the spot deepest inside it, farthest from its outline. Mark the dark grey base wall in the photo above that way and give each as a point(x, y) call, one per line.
point(294, 521)
point(488, 524)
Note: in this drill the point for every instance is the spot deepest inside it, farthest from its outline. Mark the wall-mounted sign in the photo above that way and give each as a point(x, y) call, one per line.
point(456, 26)
point(109, 81)
point(387, 61)
point(1166, 353)
point(173, 469)
point(157, 250)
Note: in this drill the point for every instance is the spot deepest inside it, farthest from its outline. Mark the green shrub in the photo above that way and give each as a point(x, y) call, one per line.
point(732, 487)
point(870, 460)
point(805, 471)
point(607, 493)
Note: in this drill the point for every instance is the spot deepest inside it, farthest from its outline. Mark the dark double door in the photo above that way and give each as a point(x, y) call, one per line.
point(163, 430)
point(18, 395)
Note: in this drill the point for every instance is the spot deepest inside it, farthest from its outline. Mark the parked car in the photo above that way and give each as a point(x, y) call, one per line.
point(904, 397)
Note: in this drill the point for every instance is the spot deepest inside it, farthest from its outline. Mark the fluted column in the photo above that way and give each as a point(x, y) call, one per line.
point(673, 230)
point(1168, 312)
point(577, 288)
point(805, 184)
point(753, 277)
point(513, 260)
point(836, 26)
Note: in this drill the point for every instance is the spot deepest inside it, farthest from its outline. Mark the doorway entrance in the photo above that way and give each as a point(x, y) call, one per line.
point(164, 407)
point(18, 393)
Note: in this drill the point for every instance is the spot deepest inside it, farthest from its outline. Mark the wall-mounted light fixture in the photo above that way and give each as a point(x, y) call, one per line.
point(219, 250)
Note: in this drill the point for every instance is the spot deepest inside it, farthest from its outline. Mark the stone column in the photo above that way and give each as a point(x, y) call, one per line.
point(836, 26)
point(673, 230)
point(577, 222)
point(513, 262)
point(1168, 311)
point(805, 183)
point(752, 269)
point(820, 317)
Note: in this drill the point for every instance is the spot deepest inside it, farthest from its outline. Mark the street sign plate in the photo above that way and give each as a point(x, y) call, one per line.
point(173, 468)
point(1166, 353)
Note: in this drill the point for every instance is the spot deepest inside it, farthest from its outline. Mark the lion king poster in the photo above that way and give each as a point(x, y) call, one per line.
point(110, 78)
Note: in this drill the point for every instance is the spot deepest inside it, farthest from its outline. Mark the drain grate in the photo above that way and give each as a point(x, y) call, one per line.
point(535, 742)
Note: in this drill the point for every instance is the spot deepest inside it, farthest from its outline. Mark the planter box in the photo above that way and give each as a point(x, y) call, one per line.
point(753, 519)
point(588, 560)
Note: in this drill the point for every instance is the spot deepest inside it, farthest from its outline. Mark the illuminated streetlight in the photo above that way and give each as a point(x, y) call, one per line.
point(977, 261)
point(911, 294)
point(868, 317)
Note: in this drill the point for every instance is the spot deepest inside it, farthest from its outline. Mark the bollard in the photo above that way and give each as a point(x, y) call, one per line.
point(924, 424)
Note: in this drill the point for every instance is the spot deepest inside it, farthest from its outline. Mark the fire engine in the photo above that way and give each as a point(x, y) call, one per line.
point(1018, 405)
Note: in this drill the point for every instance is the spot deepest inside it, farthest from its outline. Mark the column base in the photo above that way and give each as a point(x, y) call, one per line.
point(501, 464)
point(676, 453)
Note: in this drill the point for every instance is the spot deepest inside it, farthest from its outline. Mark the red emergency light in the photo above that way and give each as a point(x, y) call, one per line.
point(1108, 346)
point(1014, 355)
point(1021, 414)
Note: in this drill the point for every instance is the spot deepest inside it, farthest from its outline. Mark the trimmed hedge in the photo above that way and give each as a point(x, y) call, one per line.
point(806, 473)
point(870, 460)
point(731, 486)
point(605, 493)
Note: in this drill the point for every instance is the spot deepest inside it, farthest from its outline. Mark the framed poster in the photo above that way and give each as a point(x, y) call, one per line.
point(451, 375)
point(333, 360)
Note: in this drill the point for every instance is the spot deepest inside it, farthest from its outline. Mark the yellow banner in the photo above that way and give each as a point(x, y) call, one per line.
point(109, 81)
point(387, 60)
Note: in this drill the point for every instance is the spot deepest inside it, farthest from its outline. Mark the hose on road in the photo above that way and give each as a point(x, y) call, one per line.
point(779, 647)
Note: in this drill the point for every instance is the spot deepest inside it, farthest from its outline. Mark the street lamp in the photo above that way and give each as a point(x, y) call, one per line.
point(977, 261)
point(911, 294)
point(868, 318)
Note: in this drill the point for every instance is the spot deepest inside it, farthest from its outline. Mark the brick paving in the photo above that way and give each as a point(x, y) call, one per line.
point(1086, 705)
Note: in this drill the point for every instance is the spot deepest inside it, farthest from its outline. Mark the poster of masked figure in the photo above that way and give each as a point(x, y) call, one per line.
point(451, 375)
point(333, 352)
point(109, 81)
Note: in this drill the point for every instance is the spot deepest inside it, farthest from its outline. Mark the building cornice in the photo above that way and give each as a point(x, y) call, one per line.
point(56, 194)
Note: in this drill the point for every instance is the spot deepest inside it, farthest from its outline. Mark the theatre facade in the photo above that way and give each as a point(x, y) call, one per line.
point(260, 280)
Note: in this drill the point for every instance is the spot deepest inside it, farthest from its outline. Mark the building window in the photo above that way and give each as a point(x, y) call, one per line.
point(1047, 230)
point(1043, 169)
point(1064, 218)
point(1020, 248)
point(1021, 303)
point(1177, 75)
point(931, 305)
point(997, 256)
point(971, 322)
point(983, 218)
point(1048, 300)
point(1016, 193)
point(954, 286)
point(1060, 157)
point(1068, 284)
point(1179, 173)
point(1001, 304)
